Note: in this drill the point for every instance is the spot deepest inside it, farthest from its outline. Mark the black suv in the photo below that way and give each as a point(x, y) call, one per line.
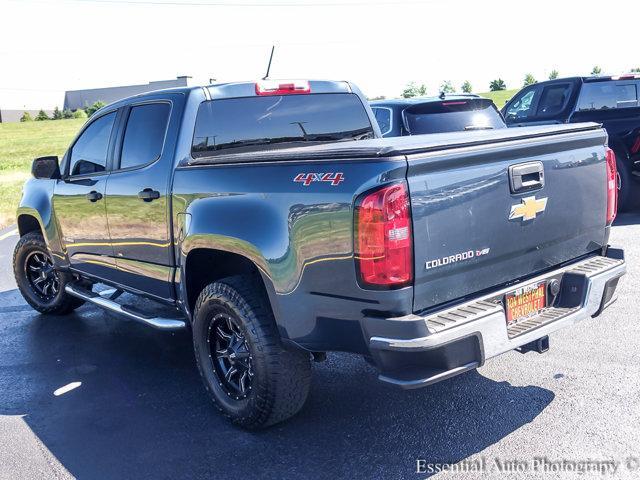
point(446, 113)
point(609, 100)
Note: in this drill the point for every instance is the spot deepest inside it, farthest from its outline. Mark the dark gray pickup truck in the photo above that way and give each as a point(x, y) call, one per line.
point(272, 221)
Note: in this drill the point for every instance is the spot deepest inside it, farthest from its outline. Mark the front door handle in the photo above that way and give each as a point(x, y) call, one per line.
point(148, 195)
point(94, 196)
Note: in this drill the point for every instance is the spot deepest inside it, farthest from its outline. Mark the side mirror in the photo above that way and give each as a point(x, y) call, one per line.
point(46, 168)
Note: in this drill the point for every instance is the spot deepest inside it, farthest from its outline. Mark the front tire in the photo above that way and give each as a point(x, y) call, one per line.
point(251, 378)
point(41, 285)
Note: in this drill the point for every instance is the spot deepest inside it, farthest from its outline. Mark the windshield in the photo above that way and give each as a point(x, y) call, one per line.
point(260, 123)
point(453, 116)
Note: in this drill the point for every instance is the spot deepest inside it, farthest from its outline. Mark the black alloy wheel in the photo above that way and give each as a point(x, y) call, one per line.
point(40, 283)
point(42, 276)
point(230, 356)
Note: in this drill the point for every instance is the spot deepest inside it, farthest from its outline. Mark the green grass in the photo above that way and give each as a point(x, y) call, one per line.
point(500, 97)
point(20, 143)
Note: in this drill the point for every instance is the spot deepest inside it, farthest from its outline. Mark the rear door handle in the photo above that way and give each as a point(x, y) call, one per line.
point(148, 195)
point(94, 196)
point(526, 177)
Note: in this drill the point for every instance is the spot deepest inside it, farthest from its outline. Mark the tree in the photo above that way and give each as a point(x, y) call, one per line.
point(596, 70)
point(94, 107)
point(79, 113)
point(57, 114)
point(497, 84)
point(635, 70)
point(447, 87)
point(42, 116)
point(26, 117)
point(466, 87)
point(529, 79)
point(414, 90)
point(67, 113)
point(554, 74)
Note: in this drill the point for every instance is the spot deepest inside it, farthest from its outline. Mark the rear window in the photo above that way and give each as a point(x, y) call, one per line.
point(608, 95)
point(238, 125)
point(452, 116)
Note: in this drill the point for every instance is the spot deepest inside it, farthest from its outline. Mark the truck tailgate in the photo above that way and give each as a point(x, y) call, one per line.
point(475, 227)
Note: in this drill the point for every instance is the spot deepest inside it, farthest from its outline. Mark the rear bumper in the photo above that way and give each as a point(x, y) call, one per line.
point(460, 338)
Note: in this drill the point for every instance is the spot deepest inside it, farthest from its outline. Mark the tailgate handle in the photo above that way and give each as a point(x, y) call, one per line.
point(526, 177)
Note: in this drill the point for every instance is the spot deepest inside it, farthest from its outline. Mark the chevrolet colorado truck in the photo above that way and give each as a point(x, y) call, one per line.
point(272, 221)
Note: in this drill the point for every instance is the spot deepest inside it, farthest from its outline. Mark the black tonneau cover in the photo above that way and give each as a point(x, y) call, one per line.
point(393, 146)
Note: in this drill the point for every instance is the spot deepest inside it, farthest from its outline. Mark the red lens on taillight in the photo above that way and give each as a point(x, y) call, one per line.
point(383, 242)
point(612, 186)
point(292, 87)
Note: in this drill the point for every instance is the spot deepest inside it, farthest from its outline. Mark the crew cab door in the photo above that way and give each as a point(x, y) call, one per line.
point(138, 207)
point(79, 198)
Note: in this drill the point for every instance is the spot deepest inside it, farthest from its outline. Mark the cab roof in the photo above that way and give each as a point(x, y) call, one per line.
point(240, 89)
point(592, 79)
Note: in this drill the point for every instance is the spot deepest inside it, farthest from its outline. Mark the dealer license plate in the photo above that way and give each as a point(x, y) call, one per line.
point(525, 302)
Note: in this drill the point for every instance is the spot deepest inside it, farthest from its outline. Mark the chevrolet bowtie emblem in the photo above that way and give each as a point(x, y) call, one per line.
point(528, 208)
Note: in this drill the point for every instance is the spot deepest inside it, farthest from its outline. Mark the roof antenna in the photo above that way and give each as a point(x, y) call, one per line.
point(269, 66)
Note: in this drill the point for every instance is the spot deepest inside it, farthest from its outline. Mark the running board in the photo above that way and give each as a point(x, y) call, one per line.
point(107, 302)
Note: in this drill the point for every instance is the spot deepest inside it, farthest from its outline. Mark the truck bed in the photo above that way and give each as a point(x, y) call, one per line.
point(389, 147)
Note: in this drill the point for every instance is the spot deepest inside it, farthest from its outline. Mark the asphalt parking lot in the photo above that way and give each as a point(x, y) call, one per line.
point(141, 412)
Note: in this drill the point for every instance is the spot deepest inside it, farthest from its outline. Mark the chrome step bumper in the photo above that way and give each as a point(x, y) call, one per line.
point(107, 301)
point(463, 337)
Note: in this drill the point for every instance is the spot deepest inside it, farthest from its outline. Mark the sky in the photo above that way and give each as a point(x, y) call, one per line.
point(47, 47)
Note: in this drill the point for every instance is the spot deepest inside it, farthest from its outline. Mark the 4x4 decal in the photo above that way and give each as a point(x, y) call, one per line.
point(307, 178)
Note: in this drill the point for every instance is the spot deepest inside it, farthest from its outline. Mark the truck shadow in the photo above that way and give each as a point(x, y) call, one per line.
point(141, 410)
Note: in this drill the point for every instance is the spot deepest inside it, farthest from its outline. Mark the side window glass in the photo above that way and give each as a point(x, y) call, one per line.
point(553, 99)
point(522, 107)
point(383, 117)
point(89, 153)
point(607, 95)
point(626, 95)
point(597, 96)
point(144, 135)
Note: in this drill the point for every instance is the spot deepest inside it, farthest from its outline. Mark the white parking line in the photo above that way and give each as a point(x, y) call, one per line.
point(10, 233)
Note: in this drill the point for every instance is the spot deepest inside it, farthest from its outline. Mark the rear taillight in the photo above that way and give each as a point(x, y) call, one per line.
point(283, 87)
point(612, 186)
point(383, 242)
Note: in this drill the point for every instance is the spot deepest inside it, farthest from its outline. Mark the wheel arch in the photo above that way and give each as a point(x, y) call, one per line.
point(36, 208)
point(28, 223)
point(204, 265)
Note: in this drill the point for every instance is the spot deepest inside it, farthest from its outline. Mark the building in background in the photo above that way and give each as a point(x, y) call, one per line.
point(74, 99)
point(14, 102)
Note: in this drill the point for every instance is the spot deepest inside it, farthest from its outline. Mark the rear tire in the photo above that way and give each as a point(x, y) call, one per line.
point(41, 285)
point(234, 331)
